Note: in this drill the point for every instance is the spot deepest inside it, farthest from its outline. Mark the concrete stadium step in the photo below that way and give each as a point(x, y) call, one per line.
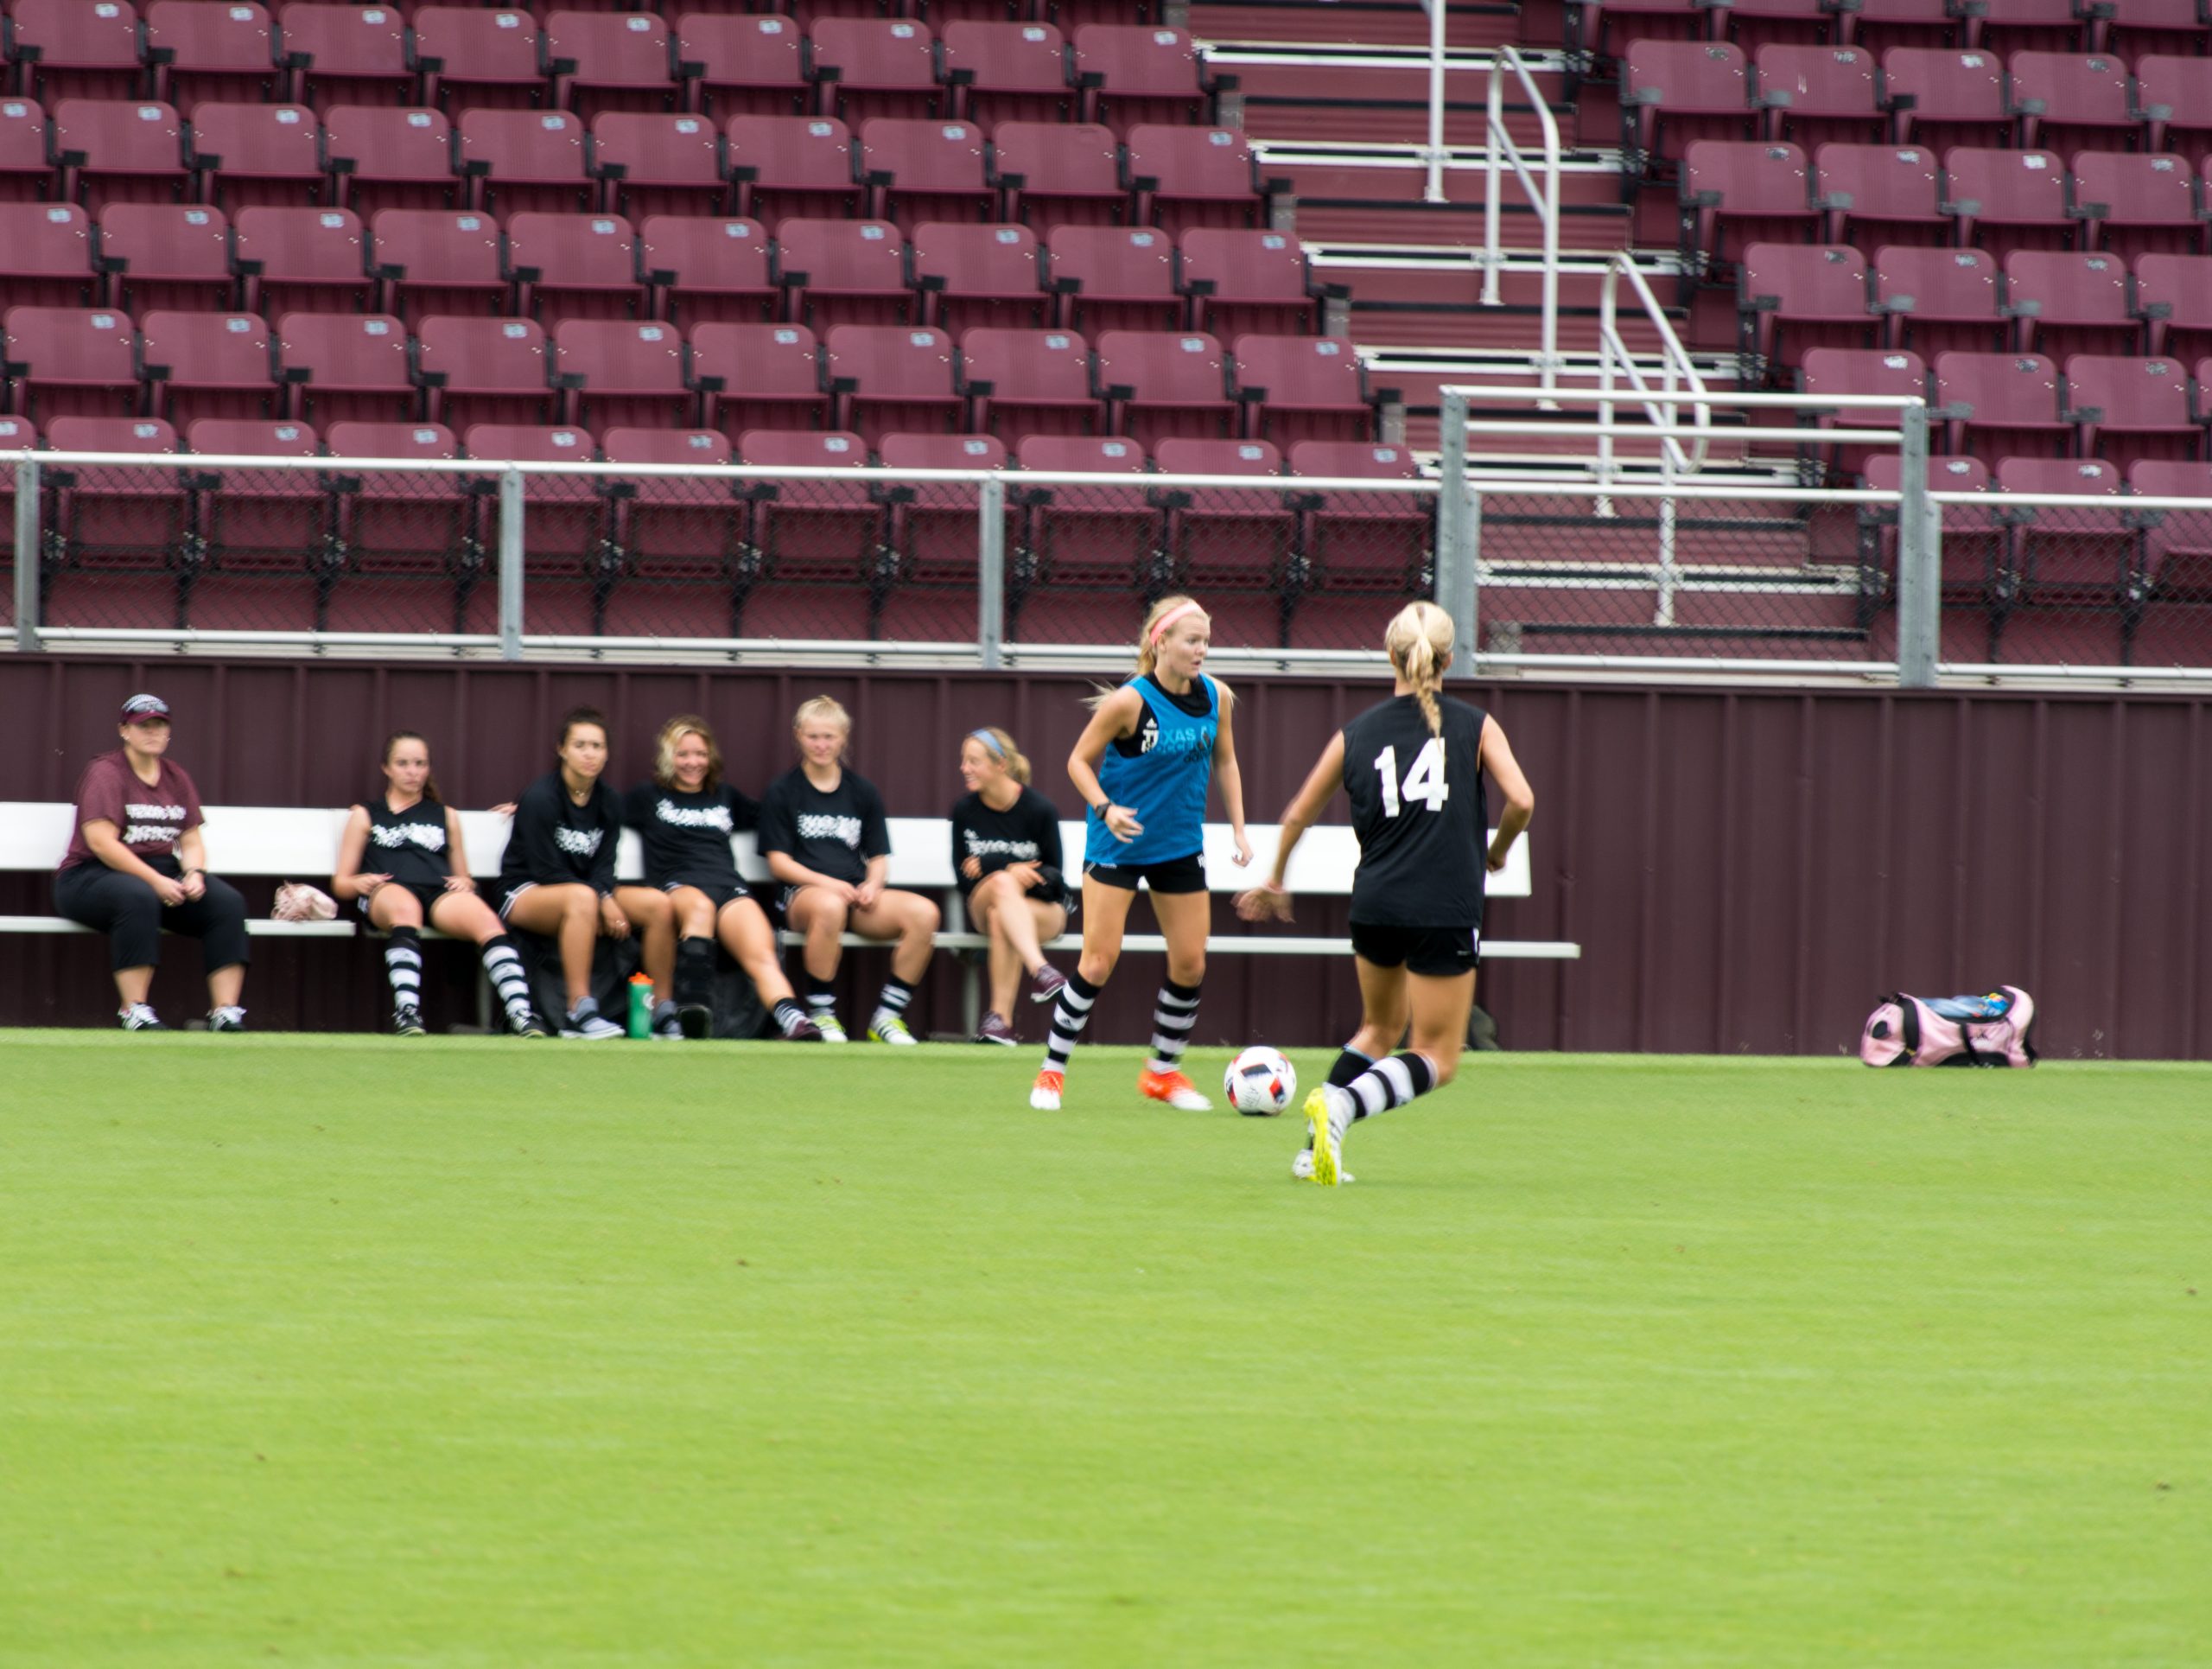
point(1384, 176)
point(1374, 94)
point(1470, 324)
point(1382, 22)
point(1323, 219)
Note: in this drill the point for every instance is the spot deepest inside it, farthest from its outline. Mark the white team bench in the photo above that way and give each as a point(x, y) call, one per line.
point(292, 843)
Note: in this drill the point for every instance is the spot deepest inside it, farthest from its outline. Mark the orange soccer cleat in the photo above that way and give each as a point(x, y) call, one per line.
point(1173, 1088)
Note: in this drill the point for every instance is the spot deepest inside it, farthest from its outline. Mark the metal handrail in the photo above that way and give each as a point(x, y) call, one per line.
point(1543, 197)
point(1674, 361)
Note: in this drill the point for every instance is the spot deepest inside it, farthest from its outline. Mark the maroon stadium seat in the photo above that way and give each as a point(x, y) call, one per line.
point(2135, 29)
point(121, 528)
point(1084, 534)
point(71, 362)
point(1007, 72)
point(1245, 279)
point(758, 376)
point(2067, 304)
point(871, 67)
point(2014, 26)
point(435, 261)
point(2136, 204)
point(1826, 371)
point(1135, 72)
point(1163, 383)
point(1673, 92)
point(166, 255)
point(1875, 195)
point(659, 164)
point(1024, 382)
point(1221, 538)
point(412, 563)
point(2067, 556)
point(471, 58)
point(1759, 23)
point(2175, 95)
point(1186, 177)
point(606, 61)
point(680, 540)
point(2000, 403)
point(1369, 543)
point(345, 54)
point(932, 526)
point(978, 275)
point(741, 64)
point(16, 435)
point(893, 377)
point(1935, 300)
point(1943, 96)
point(483, 370)
point(621, 371)
point(1816, 94)
point(2064, 100)
point(1976, 570)
point(268, 554)
point(2174, 295)
point(211, 49)
point(303, 259)
point(792, 165)
point(705, 271)
point(1051, 176)
point(347, 367)
point(2129, 409)
point(567, 517)
point(926, 170)
point(2175, 559)
point(818, 532)
point(1302, 388)
point(119, 151)
point(77, 49)
point(26, 170)
point(521, 159)
point(1623, 21)
point(1114, 278)
point(1880, 24)
point(46, 255)
point(208, 365)
point(249, 154)
point(573, 266)
point(2013, 199)
point(1735, 193)
point(844, 272)
point(1793, 296)
point(390, 158)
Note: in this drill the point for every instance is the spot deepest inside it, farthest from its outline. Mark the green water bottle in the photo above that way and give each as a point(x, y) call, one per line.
point(641, 1006)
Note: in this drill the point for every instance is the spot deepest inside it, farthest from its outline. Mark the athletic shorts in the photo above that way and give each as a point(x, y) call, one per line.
point(425, 896)
point(1436, 952)
point(719, 894)
point(507, 899)
point(1177, 874)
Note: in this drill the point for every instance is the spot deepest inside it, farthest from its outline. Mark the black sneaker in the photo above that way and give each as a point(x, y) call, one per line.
point(696, 1019)
point(229, 1018)
point(139, 1016)
point(995, 1030)
point(525, 1023)
point(408, 1023)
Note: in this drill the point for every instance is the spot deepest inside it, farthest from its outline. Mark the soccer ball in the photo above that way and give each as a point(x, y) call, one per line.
point(1260, 1083)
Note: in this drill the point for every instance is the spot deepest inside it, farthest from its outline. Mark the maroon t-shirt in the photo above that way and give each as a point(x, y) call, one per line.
point(150, 819)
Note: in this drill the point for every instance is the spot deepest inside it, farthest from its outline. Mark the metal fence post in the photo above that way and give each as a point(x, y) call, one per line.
point(1920, 557)
point(990, 570)
point(510, 550)
point(30, 557)
point(1457, 523)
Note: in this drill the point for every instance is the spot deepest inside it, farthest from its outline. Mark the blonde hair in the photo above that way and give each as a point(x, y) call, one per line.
point(822, 710)
point(1147, 640)
point(674, 731)
point(1000, 747)
point(1419, 642)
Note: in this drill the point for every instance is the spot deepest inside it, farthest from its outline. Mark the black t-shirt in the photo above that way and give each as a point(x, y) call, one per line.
point(555, 841)
point(1418, 809)
point(409, 846)
point(834, 833)
point(1027, 831)
point(686, 837)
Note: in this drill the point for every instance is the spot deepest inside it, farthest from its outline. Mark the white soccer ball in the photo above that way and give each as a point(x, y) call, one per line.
point(1260, 1083)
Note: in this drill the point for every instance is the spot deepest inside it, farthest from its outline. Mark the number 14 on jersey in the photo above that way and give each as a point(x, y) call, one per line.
point(1424, 780)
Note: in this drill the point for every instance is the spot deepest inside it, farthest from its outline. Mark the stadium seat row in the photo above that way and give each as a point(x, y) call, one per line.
point(97, 151)
point(2175, 26)
point(183, 52)
point(590, 372)
point(554, 267)
point(1674, 92)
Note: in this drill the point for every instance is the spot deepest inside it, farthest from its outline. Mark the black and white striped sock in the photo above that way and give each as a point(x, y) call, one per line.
point(821, 997)
point(403, 966)
point(1175, 1013)
point(1348, 1064)
point(1071, 1014)
point(895, 995)
point(503, 964)
point(1391, 1082)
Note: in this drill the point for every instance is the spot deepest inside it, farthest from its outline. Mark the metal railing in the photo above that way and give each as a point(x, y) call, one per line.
point(1542, 189)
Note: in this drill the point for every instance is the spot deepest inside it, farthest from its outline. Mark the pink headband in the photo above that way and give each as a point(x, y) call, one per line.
point(1172, 616)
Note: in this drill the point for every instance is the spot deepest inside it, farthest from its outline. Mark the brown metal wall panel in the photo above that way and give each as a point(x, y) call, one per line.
point(1745, 870)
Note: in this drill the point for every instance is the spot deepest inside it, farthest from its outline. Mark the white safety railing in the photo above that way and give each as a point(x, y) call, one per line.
point(1540, 187)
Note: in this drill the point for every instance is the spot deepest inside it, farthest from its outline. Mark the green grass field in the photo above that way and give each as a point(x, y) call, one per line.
point(751, 1355)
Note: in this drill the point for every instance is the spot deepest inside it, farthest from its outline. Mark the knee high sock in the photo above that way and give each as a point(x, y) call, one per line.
point(895, 995)
point(1071, 1014)
point(694, 972)
point(1390, 1082)
point(821, 997)
point(1175, 1012)
point(1349, 1064)
point(403, 966)
point(503, 964)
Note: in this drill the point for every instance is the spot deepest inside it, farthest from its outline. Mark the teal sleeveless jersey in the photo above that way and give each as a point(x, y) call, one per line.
point(1160, 774)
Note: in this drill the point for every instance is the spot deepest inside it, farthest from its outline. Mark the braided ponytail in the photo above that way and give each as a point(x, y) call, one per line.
point(1419, 643)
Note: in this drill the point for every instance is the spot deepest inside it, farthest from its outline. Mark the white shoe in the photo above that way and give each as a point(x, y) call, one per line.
point(829, 1026)
point(587, 1023)
point(1301, 1168)
point(1044, 1093)
point(1323, 1125)
point(889, 1027)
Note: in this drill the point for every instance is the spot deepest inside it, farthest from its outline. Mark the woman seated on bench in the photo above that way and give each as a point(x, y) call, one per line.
point(420, 875)
point(1006, 850)
point(557, 878)
point(824, 837)
point(136, 864)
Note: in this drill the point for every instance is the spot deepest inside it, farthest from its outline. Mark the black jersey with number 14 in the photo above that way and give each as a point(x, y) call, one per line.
point(1418, 808)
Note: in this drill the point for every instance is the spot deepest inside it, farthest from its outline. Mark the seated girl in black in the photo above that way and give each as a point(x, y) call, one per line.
point(1006, 850)
point(684, 818)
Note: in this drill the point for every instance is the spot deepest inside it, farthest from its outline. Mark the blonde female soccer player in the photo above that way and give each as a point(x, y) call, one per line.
point(1006, 850)
point(1413, 767)
point(1143, 765)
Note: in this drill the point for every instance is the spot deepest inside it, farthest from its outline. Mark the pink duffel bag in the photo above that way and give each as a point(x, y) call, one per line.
point(1991, 1030)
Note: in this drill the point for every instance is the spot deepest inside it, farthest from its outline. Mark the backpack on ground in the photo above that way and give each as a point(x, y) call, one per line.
point(1991, 1030)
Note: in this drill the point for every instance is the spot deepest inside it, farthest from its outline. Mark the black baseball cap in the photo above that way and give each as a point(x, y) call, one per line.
point(142, 708)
